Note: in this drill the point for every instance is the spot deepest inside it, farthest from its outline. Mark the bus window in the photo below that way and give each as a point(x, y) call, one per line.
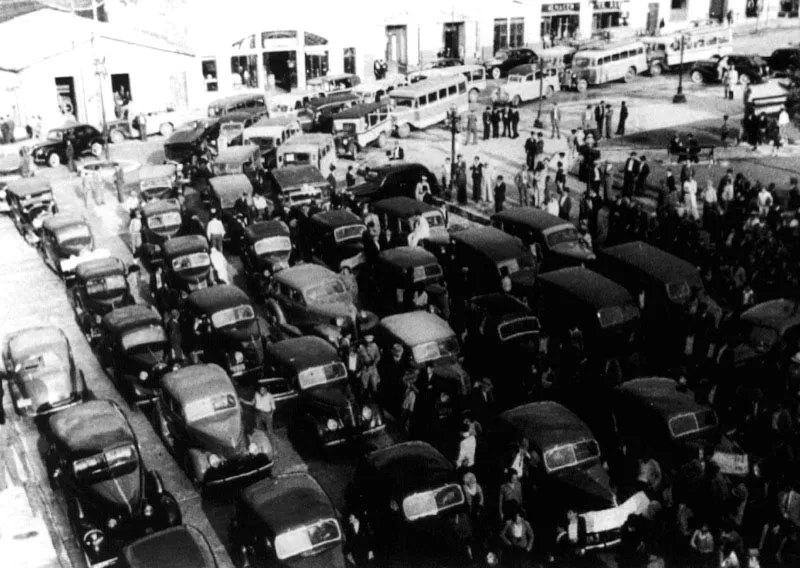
point(443, 93)
point(451, 90)
point(462, 88)
point(616, 56)
point(641, 50)
point(433, 97)
point(422, 101)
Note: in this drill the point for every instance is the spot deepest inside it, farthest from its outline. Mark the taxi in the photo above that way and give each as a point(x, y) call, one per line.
point(30, 202)
point(162, 219)
point(224, 192)
point(100, 286)
point(400, 214)
point(268, 134)
point(185, 266)
point(67, 240)
point(336, 239)
point(318, 150)
point(157, 182)
point(530, 82)
point(400, 271)
point(297, 186)
point(237, 160)
point(266, 248)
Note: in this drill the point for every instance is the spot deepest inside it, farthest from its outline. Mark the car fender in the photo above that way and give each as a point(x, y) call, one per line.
point(328, 332)
point(261, 439)
point(198, 460)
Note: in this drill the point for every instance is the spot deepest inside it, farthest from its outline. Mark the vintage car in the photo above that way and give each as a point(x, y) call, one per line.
point(331, 84)
point(400, 271)
point(178, 547)
point(53, 150)
point(751, 69)
point(134, 345)
point(336, 239)
point(157, 182)
point(604, 312)
point(224, 192)
point(309, 299)
point(265, 248)
point(785, 60)
point(30, 202)
point(10, 171)
point(507, 59)
point(287, 521)
point(529, 83)
point(220, 325)
point(502, 343)
point(309, 371)
point(297, 186)
point(237, 160)
point(162, 219)
point(270, 133)
point(320, 112)
point(485, 254)
point(555, 241)
point(185, 266)
point(201, 422)
point(569, 471)
point(191, 139)
point(318, 150)
point(112, 499)
point(391, 180)
point(233, 124)
point(376, 90)
point(399, 214)
point(100, 286)
point(41, 372)
point(412, 496)
point(357, 127)
point(66, 241)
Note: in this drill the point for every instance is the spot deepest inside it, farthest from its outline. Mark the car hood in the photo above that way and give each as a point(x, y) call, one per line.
point(44, 146)
point(365, 189)
point(48, 388)
point(332, 557)
point(588, 488)
point(573, 250)
point(223, 437)
point(335, 309)
point(123, 493)
point(334, 395)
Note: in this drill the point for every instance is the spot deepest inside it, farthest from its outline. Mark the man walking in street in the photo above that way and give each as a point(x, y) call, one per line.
point(565, 204)
point(641, 177)
point(522, 182)
point(476, 169)
point(215, 230)
point(460, 176)
point(495, 122)
point(514, 119)
point(487, 123)
point(599, 118)
point(630, 174)
point(265, 410)
point(623, 116)
point(70, 152)
point(609, 120)
point(530, 150)
point(142, 120)
point(499, 194)
point(555, 121)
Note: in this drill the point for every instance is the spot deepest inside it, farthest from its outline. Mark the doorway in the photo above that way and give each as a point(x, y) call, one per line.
point(65, 91)
point(652, 17)
point(121, 89)
point(454, 40)
point(397, 48)
point(280, 68)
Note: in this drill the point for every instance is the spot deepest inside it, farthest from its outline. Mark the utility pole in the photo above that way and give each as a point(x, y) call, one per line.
point(679, 96)
point(452, 122)
point(538, 122)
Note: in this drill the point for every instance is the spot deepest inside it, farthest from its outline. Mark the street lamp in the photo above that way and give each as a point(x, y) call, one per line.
point(679, 96)
point(102, 73)
point(538, 122)
point(452, 122)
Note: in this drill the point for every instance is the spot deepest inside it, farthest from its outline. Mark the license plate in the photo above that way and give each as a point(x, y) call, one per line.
point(237, 368)
point(24, 403)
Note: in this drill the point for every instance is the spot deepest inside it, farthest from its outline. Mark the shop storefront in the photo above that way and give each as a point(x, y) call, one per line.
point(789, 9)
point(560, 20)
point(608, 14)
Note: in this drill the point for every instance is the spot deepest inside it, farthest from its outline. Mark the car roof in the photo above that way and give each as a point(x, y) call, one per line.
point(491, 243)
point(654, 262)
point(99, 267)
point(197, 382)
point(136, 315)
point(185, 244)
point(71, 126)
point(290, 176)
point(360, 111)
point(177, 547)
point(588, 286)
point(308, 139)
point(29, 186)
point(91, 427)
point(302, 353)
point(231, 187)
point(776, 314)
point(274, 122)
point(661, 395)
point(34, 340)
point(266, 229)
point(524, 69)
point(288, 501)
point(302, 276)
point(240, 115)
point(235, 154)
point(431, 84)
point(408, 257)
point(332, 99)
point(337, 218)
point(546, 424)
point(531, 217)
point(158, 206)
point(402, 206)
point(148, 171)
point(409, 467)
point(609, 48)
point(63, 220)
point(416, 328)
point(214, 298)
point(499, 305)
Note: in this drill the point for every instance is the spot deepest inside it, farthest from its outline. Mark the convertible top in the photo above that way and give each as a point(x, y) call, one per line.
point(289, 177)
point(177, 547)
point(408, 257)
point(409, 467)
point(63, 220)
point(288, 501)
point(416, 328)
point(197, 382)
point(91, 427)
point(229, 188)
point(301, 353)
point(337, 218)
point(265, 230)
point(302, 276)
point(546, 424)
point(24, 187)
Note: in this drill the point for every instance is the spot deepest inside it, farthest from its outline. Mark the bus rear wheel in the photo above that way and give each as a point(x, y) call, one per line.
point(403, 131)
point(655, 69)
point(630, 75)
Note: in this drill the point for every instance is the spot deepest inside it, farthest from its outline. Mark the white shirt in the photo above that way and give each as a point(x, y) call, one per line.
point(215, 227)
point(265, 403)
point(764, 198)
point(466, 452)
point(220, 265)
point(783, 118)
point(552, 207)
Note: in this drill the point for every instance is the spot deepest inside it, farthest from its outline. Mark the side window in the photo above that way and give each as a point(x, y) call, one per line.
point(462, 88)
point(615, 57)
point(422, 101)
point(433, 97)
point(451, 90)
point(443, 93)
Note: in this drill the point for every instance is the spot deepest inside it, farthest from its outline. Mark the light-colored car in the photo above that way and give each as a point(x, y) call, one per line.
point(165, 121)
point(527, 82)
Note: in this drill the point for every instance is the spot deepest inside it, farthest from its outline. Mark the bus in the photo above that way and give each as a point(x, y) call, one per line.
point(250, 102)
point(474, 74)
point(426, 103)
point(610, 62)
point(664, 53)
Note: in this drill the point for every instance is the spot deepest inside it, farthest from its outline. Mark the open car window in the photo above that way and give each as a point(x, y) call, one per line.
point(189, 261)
point(273, 245)
point(112, 283)
point(322, 375)
point(569, 455)
point(209, 407)
point(691, 422)
point(233, 316)
point(305, 540)
point(433, 502)
point(170, 219)
point(435, 349)
point(109, 464)
point(143, 336)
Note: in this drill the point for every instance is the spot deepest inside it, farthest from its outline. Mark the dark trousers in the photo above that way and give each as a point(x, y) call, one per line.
point(495, 130)
point(476, 188)
point(599, 128)
point(487, 130)
point(530, 160)
point(514, 125)
point(498, 205)
point(462, 191)
point(621, 127)
point(506, 128)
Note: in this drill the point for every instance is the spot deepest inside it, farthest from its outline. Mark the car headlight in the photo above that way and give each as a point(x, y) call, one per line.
point(148, 510)
point(238, 357)
point(253, 448)
point(143, 376)
point(112, 522)
point(332, 424)
point(214, 460)
point(340, 321)
point(491, 559)
point(97, 319)
point(37, 223)
point(362, 315)
point(366, 413)
point(267, 273)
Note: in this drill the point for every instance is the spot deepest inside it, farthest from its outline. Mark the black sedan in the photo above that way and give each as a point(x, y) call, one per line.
point(751, 69)
point(391, 180)
point(53, 150)
point(506, 59)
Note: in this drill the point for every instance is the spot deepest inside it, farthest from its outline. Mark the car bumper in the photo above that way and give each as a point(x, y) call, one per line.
point(349, 435)
point(26, 408)
point(235, 471)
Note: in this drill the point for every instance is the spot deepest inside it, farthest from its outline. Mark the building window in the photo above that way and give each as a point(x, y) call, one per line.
point(210, 74)
point(516, 32)
point(678, 4)
point(244, 70)
point(500, 34)
point(350, 60)
point(316, 65)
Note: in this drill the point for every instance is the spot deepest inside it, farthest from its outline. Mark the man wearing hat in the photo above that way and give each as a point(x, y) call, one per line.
point(370, 355)
point(332, 184)
point(422, 189)
point(215, 230)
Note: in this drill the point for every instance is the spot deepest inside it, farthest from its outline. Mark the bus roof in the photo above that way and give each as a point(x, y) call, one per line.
point(610, 48)
point(413, 91)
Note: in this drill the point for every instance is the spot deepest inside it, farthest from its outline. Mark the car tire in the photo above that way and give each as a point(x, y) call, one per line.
point(54, 160)
point(116, 137)
point(655, 69)
point(382, 140)
point(166, 129)
point(582, 86)
point(517, 100)
point(744, 80)
point(97, 149)
point(630, 75)
point(696, 77)
point(551, 90)
point(496, 73)
point(403, 131)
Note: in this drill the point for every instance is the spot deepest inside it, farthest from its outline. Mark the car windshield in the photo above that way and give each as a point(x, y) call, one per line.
point(581, 62)
point(263, 142)
point(565, 235)
point(616, 315)
point(55, 135)
point(210, 407)
point(691, 422)
point(189, 261)
point(349, 232)
point(329, 291)
point(434, 219)
point(433, 502)
point(515, 264)
point(228, 169)
point(230, 130)
point(42, 361)
point(272, 245)
point(297, 158)
point(143, 336)
point(348, 127)
point(322, 375)
point(170, 219)
point(307, 539)
point(678, 291)
point(233, 316)
point(74, 232)
point(762, 338)
point(518, 328)
point(432, 350)
point(114, 283)
point(427, 272)
point(107, 465)
point(570, 455)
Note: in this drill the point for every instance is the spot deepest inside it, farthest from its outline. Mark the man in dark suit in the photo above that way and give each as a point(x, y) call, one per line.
point(599, 118)
point(630, 174)
point(641, 178)
point(359, 542)
point(487, 123)
point(530, 150)
point(565, 204)
point(623, 116)
point(513, 116)
point(539, 146)
point(499, 194)
point(495, 122)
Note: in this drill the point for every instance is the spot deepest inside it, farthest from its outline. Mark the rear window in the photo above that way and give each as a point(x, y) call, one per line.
point(521, 327)
point(678, 291)
point(615, 315)
point(691, 422)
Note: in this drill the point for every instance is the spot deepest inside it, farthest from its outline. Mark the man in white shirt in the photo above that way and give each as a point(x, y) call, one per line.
point(215, 231)
point(265, 409)
point(219, 265)
point(466, 448)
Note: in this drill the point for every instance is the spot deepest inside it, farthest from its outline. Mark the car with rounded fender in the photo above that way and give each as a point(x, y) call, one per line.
point(162, 219)
point(391, 180)
point(100, 286)
point(397, 273)
point(224, 194)
point(157, 182)
point(507, 59)
point(528, 83)
point(191, 140)
point(336, 239)
point(66, 241)
point(53, 149)
point(41, 372)
point(400, 214)
point(202, 423)
point(287, 521)
point(112, 499)
point(245, 160)
point(177, 547)
point(265, 249)
point(750, 67)
point(30, 202)
point(184, 266)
